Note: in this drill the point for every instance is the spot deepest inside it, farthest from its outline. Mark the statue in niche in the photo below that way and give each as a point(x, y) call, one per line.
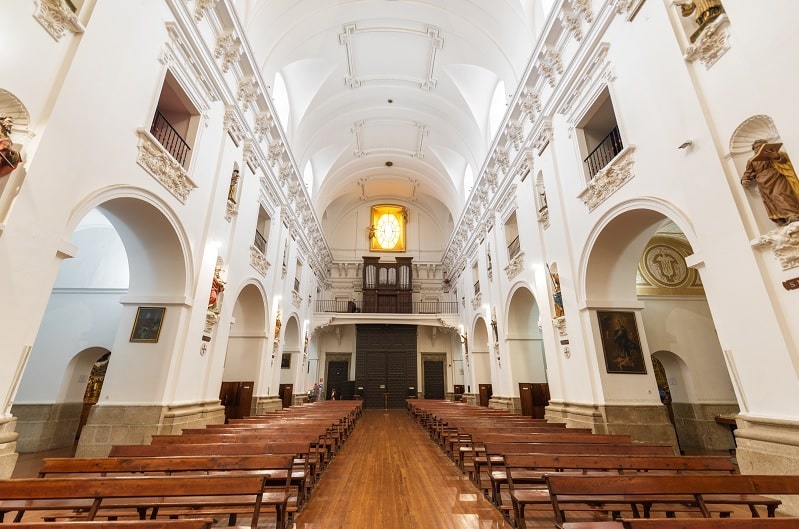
point(217, 287)
point(557, 295)
point(234, 182)
point(776, 180)
point(704, 11)
point(9, 157)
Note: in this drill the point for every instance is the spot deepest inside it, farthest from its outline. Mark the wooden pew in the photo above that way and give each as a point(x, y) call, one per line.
point(151, 496)
point(271, 465)
point(689, 523)
point(301, 452)
point(185, 523)
point(525, 472)
point(699, 494)
point(494, 458)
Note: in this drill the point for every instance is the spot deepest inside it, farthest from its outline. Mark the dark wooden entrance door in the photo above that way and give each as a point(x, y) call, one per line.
point(337, 376)
point(485, 393)
point(526, 398)
point(236, 397)
point(385, 364)
point(285, 392)
point(433, 379)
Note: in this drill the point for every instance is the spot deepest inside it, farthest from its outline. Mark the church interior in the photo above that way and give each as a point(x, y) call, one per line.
point(580, 211)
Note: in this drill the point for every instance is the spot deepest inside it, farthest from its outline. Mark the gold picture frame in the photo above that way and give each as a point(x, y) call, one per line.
point(147, 324)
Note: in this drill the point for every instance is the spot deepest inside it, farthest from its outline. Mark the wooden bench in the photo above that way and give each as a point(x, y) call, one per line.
point(494, 457)
point(149, 496)
point(185, 523)
point(667, 493)
point(525, 473)
point(273, 465)
point(689, 523)
point(302, 453)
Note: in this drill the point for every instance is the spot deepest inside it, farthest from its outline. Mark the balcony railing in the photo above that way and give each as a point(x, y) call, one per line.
point(417, 307)
point(260, 242)
point(607, 149)
point(296, 285)
point(514, 248)
point(167, 136)
point(476, 287)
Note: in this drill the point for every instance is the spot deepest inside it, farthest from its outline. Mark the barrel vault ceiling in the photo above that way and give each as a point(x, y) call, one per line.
point(390, 100)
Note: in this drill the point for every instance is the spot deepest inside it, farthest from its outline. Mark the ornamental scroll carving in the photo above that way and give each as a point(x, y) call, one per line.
point(154, 159)
point(57, 18)
point(608, 180)
point(784, 242)
point(515, 266)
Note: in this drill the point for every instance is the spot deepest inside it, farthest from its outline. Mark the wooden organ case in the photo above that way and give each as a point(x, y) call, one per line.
point(387, 287)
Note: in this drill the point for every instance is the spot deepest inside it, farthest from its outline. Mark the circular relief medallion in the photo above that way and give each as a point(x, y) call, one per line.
point(665, 266)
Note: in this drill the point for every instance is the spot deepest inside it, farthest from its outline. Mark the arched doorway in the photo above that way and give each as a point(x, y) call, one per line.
point(637, 265)
point(525, 348)
point(245, 349)
point(481, 362)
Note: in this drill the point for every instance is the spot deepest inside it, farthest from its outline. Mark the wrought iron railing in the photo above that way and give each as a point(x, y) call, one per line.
point(607, 149)
point(167, 136)
point(260, 242)
point(476, 287)
point(417, 307)
point(514, 248)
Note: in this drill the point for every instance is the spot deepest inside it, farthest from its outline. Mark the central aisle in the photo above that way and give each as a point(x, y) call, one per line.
point(391, 475)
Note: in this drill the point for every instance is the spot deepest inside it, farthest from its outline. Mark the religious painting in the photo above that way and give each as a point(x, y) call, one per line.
point(285, 361)
point(621, 343)
point(147, 325)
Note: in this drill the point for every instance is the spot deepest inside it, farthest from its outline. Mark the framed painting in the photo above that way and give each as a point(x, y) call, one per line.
point(147, 325)
point(621, 343)
point(285, 361)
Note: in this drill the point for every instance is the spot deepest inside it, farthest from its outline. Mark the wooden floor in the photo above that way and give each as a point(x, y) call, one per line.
point(391, 475)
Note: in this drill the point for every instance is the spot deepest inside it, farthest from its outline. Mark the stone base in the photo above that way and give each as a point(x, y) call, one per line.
point(46, 426)
point(505, 403)
point(472, 399)
point(644, 424)
point(767, 446)
point(109, 425)
point(8, 446)
point(697, 427)
point(266, 404)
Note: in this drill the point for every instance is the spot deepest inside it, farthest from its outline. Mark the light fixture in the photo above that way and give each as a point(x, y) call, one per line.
point(685, 144)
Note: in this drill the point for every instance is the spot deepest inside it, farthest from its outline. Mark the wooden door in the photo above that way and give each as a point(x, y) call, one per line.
point(434, 379)
point(485, 393)
point(385, 364)
point(337, 376)
point(245, 399)
point(540, 399)
point(285, 392)
point(375, 387)
point(526, 398)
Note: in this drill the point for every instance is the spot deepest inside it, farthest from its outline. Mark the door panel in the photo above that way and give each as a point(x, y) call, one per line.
point(433, 379)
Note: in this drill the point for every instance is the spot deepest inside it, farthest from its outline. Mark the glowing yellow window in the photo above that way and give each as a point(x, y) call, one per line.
point(387, 232)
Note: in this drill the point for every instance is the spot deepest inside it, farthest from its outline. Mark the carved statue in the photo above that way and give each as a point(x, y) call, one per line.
point(234, 181)
point(9, 157)
point(704, 11)
point(217, 287)
point(776, 179)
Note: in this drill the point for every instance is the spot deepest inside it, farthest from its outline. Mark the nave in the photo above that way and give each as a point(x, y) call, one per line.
point(391, 475)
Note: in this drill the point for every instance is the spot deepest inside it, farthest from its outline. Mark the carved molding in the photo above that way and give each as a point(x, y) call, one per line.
point(784, 242)
point(228, 50)
point(263, 123)
point(583, 9)
point(231, 210)
point(211, 319)
point(477, 301)
point(154, 159)
point(608, 180)
point(531, 104)
point(572, 23)
point(711, 44)
point(515, 266)
point(201, 6)
point(630, 7)
point(550, 65)
point(543, 217)
point(57, 18)
point(516, 133)
point(543, 138)
point(233, 125)
point(248, 92)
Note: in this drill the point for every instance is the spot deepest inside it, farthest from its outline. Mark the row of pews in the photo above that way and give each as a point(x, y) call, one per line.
point(252, 471)
point(534, 470)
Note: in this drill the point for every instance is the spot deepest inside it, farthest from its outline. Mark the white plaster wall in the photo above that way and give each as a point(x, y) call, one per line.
point(685, 327)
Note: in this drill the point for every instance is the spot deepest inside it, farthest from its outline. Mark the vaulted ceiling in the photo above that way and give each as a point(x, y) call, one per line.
point(395, 100)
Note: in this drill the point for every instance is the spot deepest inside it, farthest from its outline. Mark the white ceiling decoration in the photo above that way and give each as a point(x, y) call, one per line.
point(406, 138)
point(391, 54)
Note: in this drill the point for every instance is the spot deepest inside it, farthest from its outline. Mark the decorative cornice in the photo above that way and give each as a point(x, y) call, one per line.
point(550, 65)
point(154, 159)
point(228, 50)
point(583, 9)
point(503, 158)
point(274, 153)
point(784, 242)
point(233, 125)
point(477, 301)
point(515, 266)
point(711, 44)
point(200, 7)
point(543, 137)
point(630, 7)
point(515, 133)
point(531, 104)
point(57, 18)
point(248, 92)
point(572, 23)
point(609, 179)
point(263, 123)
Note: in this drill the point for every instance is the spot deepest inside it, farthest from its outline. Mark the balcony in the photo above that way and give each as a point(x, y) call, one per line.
point(603, 153)
point(169, 138)
point(416, 307)
point(514, 248)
